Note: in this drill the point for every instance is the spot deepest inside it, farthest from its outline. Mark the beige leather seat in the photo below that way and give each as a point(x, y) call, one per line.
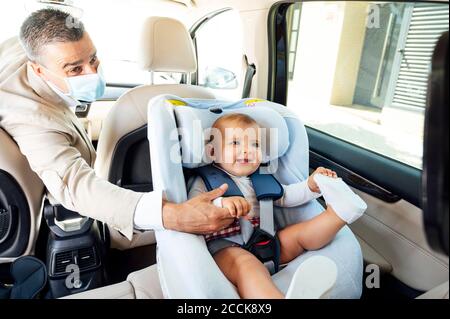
point(19, 187)
point(142, 284)
point(22, 190)
point(123, 151)
point(439, 292)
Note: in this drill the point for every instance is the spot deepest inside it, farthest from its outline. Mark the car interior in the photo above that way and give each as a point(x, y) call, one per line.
point(368, 79)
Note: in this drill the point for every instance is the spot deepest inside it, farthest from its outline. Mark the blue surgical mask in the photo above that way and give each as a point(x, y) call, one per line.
point(87, 87)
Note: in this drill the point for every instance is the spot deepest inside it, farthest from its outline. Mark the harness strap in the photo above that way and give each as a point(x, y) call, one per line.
point(246, 229)
point(263, 241)
point(214, 178)
point(266, 186)
point(266, 216)
point(267, 189)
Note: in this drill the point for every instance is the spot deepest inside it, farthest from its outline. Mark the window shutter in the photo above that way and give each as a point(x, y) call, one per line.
point(428, 22)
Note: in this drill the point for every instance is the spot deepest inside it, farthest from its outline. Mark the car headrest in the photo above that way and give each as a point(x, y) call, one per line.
point(194, 129)
point(166, 46)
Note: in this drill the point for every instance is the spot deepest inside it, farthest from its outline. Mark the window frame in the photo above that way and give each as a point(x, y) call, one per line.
point(196, 27)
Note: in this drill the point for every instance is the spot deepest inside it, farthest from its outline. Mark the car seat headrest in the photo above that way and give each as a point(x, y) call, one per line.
point(166, 46)
point(194, 126)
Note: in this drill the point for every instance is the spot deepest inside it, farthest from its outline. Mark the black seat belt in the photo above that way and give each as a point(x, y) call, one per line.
point(248, 79)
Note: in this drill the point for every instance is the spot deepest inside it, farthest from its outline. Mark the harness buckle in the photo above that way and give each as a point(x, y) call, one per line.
point(265, 247)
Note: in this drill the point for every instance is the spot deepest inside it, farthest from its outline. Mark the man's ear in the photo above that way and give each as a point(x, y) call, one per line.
point(209, 149)
point(38, 69)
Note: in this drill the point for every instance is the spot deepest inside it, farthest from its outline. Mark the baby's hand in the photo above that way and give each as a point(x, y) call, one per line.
point(321, 170)
point(236, 205)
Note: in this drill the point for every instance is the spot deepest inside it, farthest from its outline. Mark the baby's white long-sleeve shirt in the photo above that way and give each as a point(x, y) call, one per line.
point(294, 194)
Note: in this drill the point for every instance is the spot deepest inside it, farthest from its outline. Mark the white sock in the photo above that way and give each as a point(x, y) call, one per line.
point(313, 279)
point(347, 205)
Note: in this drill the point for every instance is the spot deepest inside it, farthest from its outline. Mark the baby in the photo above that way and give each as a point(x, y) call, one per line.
point(238, 153)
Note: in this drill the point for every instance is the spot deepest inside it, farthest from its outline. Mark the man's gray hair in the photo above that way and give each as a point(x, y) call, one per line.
point(47, 26)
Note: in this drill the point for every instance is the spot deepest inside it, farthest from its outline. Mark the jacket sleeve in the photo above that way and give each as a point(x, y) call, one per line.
point(71, 181)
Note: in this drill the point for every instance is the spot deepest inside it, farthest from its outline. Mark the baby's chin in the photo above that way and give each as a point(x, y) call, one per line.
point(244, 169)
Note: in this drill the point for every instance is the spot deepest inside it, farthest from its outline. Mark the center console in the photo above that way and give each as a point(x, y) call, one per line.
point(75, 252)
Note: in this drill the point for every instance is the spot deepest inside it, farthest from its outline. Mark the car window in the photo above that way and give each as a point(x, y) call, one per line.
point(359, 71)
point(220, 54)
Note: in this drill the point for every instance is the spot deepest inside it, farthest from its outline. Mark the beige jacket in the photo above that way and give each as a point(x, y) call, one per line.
point(58, 149)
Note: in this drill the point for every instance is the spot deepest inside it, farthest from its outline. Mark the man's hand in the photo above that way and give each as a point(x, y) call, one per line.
point(197, 215)
point(320, 170)
point(236, 205)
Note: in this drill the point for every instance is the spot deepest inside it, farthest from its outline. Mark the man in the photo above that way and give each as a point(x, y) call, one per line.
point(39, 90)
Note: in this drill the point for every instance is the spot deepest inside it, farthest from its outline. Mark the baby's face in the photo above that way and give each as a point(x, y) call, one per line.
point(240, 151)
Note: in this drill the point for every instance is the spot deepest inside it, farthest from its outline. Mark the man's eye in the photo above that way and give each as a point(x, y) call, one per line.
point(235, 143)
point(93, 60)
point(76, 70)
point(256, 144)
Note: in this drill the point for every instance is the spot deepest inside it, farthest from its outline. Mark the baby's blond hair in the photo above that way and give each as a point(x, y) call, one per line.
point(239, 118)
point(234, 117)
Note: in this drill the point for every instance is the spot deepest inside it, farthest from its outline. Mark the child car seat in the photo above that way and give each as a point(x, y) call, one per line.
point(177, 139)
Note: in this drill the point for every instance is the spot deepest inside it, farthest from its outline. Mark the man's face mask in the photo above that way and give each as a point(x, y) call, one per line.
point(86, 88)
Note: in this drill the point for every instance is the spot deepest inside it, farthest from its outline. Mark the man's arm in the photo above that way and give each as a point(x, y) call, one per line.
point(197, 215)
point(74, 184)
point(70, 180)
point(148, 214)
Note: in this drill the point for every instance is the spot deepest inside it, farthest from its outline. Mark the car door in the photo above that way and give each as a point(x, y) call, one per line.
point(356, 73)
